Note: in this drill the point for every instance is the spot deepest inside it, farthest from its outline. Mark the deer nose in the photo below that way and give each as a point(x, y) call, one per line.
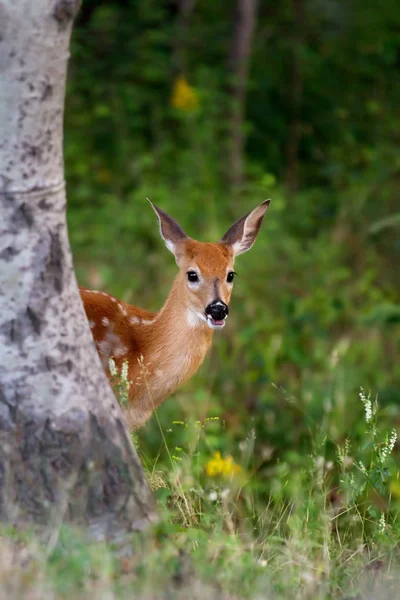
point(217, 310)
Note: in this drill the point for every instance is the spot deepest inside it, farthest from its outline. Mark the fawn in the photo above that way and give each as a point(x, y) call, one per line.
point(164, 349)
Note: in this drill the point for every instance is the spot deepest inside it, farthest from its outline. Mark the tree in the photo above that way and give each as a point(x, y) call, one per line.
point(295, 96)
point(244, 25)
point(65, 454)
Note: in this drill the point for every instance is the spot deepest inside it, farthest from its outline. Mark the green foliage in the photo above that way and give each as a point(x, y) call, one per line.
point(315, 309)
point(315, 306)
point(316, 535)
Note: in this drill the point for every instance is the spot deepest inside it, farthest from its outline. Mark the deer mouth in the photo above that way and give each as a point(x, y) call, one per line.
point(215, 323)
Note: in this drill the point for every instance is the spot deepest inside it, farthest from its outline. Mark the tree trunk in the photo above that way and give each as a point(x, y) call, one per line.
point(242, 40)
point(295, 98)
point(185, 10)
point(65, 454)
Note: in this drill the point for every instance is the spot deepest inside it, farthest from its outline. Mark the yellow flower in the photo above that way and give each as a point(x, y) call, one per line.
point(222, 466)
point(183, 97)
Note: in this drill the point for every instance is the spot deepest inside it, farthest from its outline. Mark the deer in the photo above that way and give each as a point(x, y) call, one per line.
point(164, 349)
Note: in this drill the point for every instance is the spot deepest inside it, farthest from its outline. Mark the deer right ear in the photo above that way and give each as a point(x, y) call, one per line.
point(242, 235)
point(172, 234)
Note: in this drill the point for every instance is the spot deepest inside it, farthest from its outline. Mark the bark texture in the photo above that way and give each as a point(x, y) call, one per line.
point(242, 40)
point(65, 454)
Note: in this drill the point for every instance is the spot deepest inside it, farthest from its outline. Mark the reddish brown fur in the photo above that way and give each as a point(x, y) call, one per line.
point(213, 261)
point(156, 351)
point(166, 348)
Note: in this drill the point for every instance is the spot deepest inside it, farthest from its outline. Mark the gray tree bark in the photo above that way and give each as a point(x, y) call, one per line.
point(65, 454)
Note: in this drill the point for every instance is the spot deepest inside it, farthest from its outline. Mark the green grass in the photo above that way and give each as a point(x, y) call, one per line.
point(278, 392)
point(326, 528)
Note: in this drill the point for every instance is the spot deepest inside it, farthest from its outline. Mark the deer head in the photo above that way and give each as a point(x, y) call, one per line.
point(206, 270)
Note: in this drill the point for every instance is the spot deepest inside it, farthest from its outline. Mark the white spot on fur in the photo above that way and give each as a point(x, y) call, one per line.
point(194, 319)
point(123, 309)
point(120, 351)
point(92, 324)
point(134, 320)
point(147, 321)
point(105, 321)
point(107, 345)
point(113, 299)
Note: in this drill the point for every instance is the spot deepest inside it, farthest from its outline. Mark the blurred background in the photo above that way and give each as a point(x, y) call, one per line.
point(207, 108)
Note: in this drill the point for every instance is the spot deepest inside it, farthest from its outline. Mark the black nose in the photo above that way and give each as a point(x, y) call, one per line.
point(217, 310)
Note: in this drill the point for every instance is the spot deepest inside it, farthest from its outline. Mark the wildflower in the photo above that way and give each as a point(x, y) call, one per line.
point(382, 523)
point(184, 97)
point(213, 496)
point(343, 454)
point(262, 562)
point(388, 446)
point(363, 468)
point(124, 371)
point(392, 440)
point(112, 367)
point(367, 405)
point(222, 466)
point(155, 480)
point(214, 466)
point(120, 383)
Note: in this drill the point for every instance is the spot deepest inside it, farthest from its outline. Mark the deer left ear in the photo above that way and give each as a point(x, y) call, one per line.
point(171, 232)
point(242, 235)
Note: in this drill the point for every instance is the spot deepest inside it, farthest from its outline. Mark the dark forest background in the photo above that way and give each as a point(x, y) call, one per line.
point(207, 108)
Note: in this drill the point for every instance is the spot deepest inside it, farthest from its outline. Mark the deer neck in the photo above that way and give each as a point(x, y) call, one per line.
point(172, 347)
point(179, 338)
point(178, 323)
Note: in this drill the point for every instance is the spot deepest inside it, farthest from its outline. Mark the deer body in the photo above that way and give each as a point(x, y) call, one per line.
point(164, 349)
point(160, 358)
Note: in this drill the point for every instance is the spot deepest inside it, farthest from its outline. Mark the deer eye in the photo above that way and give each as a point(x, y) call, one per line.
point(192, 276)
point(230, 276)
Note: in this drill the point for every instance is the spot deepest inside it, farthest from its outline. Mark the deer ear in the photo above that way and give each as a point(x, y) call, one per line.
point(242, 235)
point(172, 234)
